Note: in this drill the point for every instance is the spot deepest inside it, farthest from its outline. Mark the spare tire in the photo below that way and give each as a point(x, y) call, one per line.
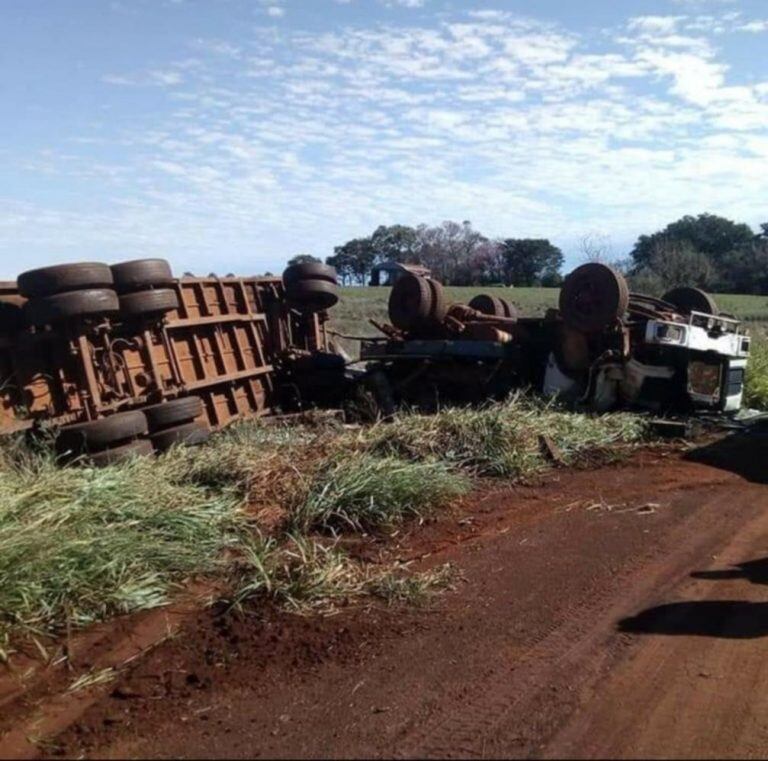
point(117, 455)
point(149, 302)
point(64, 278)
point(63, 306)
point(487, 304)
point(189, 434)
point(312, 295)
point(309, 271)
point(593, 297)
point(100, 434)
point(686, 300)
point(410, 302)
point(142, 274)
point(167, 414)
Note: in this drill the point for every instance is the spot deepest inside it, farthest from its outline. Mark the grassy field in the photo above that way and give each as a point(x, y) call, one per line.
point(358, 305)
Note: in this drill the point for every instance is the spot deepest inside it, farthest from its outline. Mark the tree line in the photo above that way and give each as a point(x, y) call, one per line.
point(456, 253)
point(707, 251)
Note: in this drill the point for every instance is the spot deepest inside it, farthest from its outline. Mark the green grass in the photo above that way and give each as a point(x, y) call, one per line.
point(503, 439)
point(79, 545)
point(756, 381)
point(368, 492)
point(358, 305)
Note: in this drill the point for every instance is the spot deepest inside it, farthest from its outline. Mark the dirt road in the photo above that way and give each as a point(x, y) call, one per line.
point(611, 613)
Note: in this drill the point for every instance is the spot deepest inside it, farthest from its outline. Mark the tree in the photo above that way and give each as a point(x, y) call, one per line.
point(679, 263)
point(353, 260)
point(448, 248)
point(396, 243)
point(304, 259)
point(596, 247)
point(715, 237)
point(745, 270)
point(529, 261)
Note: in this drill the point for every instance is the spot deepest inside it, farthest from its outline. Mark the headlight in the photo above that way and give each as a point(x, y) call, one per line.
point(673, 334)
point(704, 378)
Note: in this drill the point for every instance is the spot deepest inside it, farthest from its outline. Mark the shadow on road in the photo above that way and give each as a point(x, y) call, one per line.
point(754, 571)
point(742, 453)
point(729, 619)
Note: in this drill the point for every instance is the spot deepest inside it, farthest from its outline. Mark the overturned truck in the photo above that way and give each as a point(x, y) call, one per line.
point(604, 348)
point(129, 359)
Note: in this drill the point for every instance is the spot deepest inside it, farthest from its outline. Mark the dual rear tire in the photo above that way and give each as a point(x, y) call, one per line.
point(124, 435)
point(417, 304)
point(311, 287)
point(105, 441)
point(145, 287)
point(92, 290)
point(175, 423)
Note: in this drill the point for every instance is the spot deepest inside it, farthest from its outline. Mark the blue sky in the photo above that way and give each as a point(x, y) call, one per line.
point(229, 135)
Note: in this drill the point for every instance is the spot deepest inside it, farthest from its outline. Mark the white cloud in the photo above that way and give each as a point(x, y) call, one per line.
point(307, 138)
point(654, 24)
point(275, 11)
point(755, 26)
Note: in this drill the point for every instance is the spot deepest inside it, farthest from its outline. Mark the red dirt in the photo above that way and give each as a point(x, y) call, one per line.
point(554, 644)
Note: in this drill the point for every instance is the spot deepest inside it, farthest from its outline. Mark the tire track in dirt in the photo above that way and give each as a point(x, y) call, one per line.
point(507, 711)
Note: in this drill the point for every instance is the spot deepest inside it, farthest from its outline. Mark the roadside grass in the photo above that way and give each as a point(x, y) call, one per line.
point(367, 492)
point(310, 576)
point(79, 545)
point(503, 439)
point(756, 380)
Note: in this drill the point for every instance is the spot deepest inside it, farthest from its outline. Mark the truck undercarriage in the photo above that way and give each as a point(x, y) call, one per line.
point(128, 359)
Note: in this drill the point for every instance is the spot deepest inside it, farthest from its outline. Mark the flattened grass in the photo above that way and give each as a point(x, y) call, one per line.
point(78, 545)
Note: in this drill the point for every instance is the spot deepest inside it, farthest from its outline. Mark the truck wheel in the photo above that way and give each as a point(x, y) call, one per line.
point(593, 297)
point(309, 271)
point(687, 300)
point(141, 275)
point(410, 302)
point(175, 412)
point(510, 311)
point(117, 455)
point(439, 301)
point(490, 305)
point(63, 306)
point(149, 302)
point(63, 278)
point(189, 434)
point(312, 295)
point(100, 434)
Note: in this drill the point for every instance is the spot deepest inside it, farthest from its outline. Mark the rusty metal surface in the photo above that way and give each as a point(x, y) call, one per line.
point(221, 344)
